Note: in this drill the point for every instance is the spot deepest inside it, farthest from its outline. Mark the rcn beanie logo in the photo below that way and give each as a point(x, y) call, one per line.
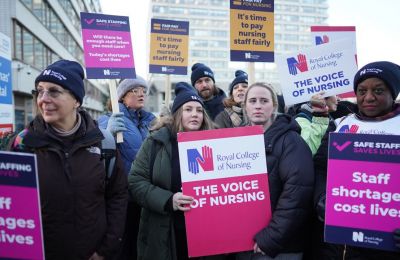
point(370, 70)
point(55, 74)
point(195, 98)
point(209, 74)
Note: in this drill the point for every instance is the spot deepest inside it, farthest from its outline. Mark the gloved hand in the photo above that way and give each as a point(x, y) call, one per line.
point(396, 236)
point(116, 123)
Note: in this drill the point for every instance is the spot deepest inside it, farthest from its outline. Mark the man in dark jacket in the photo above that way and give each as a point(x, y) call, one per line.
point(203, 80)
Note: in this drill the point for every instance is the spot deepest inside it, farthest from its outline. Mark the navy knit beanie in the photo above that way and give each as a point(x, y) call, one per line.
point(68, 74)
point(184, 93)
point(387, 71)
point(240, 77)
point(199, 70)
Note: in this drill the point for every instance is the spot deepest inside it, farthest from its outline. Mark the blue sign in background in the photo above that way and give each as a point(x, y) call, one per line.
point(5, 81)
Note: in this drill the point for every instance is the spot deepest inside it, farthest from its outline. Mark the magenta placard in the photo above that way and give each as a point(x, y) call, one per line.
point(111, 49)
point(362, 193)
point(227, 213)
point(368, 209)
point(107, 46)
point(20, 218)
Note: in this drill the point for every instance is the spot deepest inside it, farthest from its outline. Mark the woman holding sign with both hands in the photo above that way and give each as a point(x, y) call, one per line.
point(157, 187)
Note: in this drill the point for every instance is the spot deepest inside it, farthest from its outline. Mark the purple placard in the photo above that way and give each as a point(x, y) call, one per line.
point(363, 196)
point(108, 47)
point(21, 236)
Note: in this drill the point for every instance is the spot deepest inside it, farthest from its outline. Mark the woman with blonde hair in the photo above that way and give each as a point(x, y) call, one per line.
point(155, 180)
point(290, 178)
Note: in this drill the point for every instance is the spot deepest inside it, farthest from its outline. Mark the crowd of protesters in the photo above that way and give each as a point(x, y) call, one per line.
point(138, 212)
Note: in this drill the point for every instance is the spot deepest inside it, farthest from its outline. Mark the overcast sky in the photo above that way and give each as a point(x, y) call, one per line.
point(377, 27)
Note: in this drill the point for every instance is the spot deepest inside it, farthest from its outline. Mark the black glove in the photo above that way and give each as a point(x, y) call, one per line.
point(321, 208)
point(396, 237)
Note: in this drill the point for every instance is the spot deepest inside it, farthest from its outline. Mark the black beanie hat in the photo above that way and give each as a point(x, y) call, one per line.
point(200, 70)
point(183, 94)
point(68, 74)
point(240, 77)
point(387, 71)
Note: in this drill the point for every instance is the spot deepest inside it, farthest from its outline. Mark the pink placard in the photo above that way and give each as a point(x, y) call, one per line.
point(230, 187)
point(228, 213)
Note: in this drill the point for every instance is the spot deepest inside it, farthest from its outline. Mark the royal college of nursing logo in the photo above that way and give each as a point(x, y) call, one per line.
point(205, 160)
point(349, 129)
point(358, 236)
point(299, 64)
point(321, 39)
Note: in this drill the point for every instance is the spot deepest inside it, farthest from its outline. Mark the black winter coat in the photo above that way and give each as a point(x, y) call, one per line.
point(80, 213)
point(291, 180)
point(328, 251)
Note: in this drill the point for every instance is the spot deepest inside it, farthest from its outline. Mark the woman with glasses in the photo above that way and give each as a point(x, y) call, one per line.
point(134, 121)
point(83, 212)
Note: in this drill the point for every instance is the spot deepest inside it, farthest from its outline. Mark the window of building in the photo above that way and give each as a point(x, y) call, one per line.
point(219, 54)
point(44, 12)
point(218, 44)
point(23, 111)
point(31, 50)
point(199, 53)
point(200, 33)
point(17, 42)
point(219, 33)
point(198, 43)
point(27, 40)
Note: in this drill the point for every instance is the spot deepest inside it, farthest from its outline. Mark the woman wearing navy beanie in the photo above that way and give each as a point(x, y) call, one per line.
point(162, 233)
point(376, 86)
point(83, 215)
point(232, 116)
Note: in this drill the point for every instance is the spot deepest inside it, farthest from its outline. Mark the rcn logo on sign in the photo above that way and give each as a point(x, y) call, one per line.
point(349, 129)
point(321, 39)
point(358, 236)
point(299, 64)
point(205, 160)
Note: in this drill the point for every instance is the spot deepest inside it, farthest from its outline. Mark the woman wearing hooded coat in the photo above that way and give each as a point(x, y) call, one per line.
point(290, 178)
point(83, 211)
point(162, 232)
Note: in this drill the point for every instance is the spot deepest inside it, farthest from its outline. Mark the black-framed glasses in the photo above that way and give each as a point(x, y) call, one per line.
point(52, 92)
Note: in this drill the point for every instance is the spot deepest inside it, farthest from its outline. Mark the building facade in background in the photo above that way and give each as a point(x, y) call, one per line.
point(209, 34)
point(42, 32)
